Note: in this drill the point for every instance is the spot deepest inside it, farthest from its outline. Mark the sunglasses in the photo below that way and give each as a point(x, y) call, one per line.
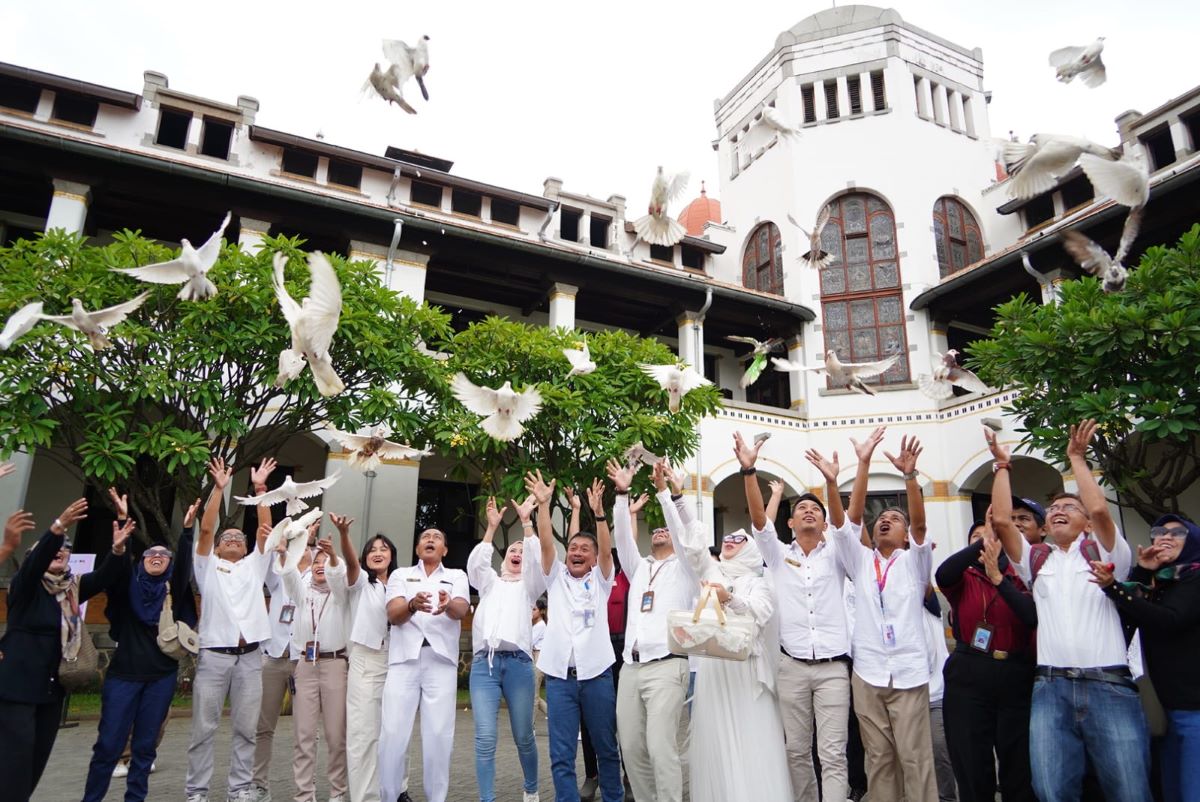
point(157, 551)
point(1162, 531)
point(734, 539)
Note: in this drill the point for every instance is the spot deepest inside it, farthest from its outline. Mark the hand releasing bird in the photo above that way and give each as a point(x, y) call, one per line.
point(1126, 180)
point(291, 492)
point(773, 119)
point(504, 409)
point(295, 532)
point(580, 359)
point(758, 357)
point(677, 380)
point(816, 256)
point(368, 450)
point(657, 227)
point(948, 375)
point(96, 325)
point(1093, 259)
point(852, 373)
point(1035, 167)
point(190, 268)
point(20, 324)
point(1084, 62)
point(412, 61)
point(313, 323)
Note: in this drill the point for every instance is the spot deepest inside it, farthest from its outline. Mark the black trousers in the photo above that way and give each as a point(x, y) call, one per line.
point(986, 715)
point(27, 734)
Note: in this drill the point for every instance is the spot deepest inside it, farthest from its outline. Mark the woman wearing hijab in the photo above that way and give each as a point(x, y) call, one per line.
point(502, 640)
point(736, 748)
point(140, 681)
point(1162, 599)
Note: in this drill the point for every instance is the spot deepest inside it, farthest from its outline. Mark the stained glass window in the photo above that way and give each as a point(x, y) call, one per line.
point(762, 263)
point(956, 232)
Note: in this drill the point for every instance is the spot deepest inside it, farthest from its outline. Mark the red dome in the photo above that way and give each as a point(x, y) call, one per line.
point(700, 211)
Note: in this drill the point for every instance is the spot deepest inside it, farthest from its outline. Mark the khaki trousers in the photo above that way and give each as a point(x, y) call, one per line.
point(650, 700)
point(275, 675)
point(364, 707)
point(820, 691)
point(320, 696)
point(895, 732)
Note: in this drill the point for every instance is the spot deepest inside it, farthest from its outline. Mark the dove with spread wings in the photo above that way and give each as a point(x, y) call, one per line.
point(96, 325)
point(504, 409)
point(657, 227)
point(816, 256)
point(851, 373)
point(292, 493)
point(677, 380)
point(368, 450)
point(757, 357)
point(948, 375)
point(295, 533)
point(1095, 260)
point(1080, 62)
point(313, 323)
point(190, 268)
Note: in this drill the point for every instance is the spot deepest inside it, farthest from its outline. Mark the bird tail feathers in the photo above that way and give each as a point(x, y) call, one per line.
point(937, 390)
point(502, 427)
point(99, 341)
point(327, 380)
point(363, 462)
point(662, 230)
point(197, 289)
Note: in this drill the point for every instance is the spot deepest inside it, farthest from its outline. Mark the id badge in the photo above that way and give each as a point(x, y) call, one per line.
point(287, 613)
point(589, 619)
point(647, 601)
point(311, 650)
point(889, 636)
point(982, 639)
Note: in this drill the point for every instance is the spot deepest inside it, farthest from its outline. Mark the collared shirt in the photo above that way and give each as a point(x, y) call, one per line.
point(368, 612)
point(323, 618)
point(939, 653)
point(889, 630)
point(811, 591)
point(281, 633)
point(232, 594)
point(670, 582)
point(975, 600)
point(503, 618)
point(577, 626)
point(441, 631)
point(1078, 626)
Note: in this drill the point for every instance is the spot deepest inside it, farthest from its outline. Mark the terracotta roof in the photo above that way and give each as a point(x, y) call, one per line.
point(700, 211)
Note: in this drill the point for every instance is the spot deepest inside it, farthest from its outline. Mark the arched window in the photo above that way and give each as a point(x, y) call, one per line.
point(762, 263)
point(959, 242)
point(862, 307)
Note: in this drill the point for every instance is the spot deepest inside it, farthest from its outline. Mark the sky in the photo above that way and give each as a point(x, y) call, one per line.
point(596, 94)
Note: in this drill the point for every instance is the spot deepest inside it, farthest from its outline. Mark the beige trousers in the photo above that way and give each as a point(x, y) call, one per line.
point(650, 700)
point(320, 696)
point(275, 674)
point(820, 691)
point(364, 707)
point(896, 736)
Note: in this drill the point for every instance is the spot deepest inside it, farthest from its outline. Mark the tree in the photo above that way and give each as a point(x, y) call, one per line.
point(188, 379)
point(1131, 360)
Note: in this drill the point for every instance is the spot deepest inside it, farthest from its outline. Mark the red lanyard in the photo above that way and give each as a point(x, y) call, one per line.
point(881, 578)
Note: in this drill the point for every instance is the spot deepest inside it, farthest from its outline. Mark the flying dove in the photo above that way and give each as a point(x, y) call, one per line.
point(638, 453)
point(291, 492)
point(313, 323)
point(1084, 62)
point(190, 268)
point(657, 227)
point(1092, 258)
point(440, 356)
point(580, 359)
point(20, 324)
point(1126, 180)
point(504, 410)
point(677, 380)
point(948, 375)
point(386, 83)
point(96, 325)
point(758, 357)
point(772, 118)
point(852, 373)
point(1035, 167)
point(368, 450)
point(815, 256)
point(295, 532)
point(413, 62)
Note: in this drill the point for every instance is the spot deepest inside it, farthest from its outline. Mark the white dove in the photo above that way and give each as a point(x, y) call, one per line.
point(413, 62)
point(387, 83)
point(639, 453)
point(677, 380)
point(580, 359)
point(1092, 258)
point(20, 323)
point(97, 324)
point(657, 227)
point(1126, 180)
point(368, 450)
point(1035, 167)
point(504, 409)
point(948, 375)
point(313, 323)
point(852, 373)
point(440, 356)
point(291, 492)
point(757, 358)
point(190, 268)
point(295, 532)
point(1069, 62)
point(815, 256)
point(774, 120)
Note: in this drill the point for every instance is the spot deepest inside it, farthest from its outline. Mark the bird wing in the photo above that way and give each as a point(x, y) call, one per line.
point(211, 249)
point(172, 272)
point(786, 365)
point(480, 400)
point(691, 380)
point(397, 52)
point(737, 338)
point(529, 403)
point(323, 306)
point(350, 442)
point(660, 373)
point(968, 380)
point(1095, 74)
point(20, 323)
point(822, 221)
point(792, 220)
point(937, 389)
point(676, 186)
point(865, 370)
point(753, 371)
point(1087, 254)
point(107, 318)
point(1127, 181)
point(289, 307)
point(316, 487)
point(1133, 223)
point(270, 498)
point(1065, 55)
point(576, 357)
point(391, 450)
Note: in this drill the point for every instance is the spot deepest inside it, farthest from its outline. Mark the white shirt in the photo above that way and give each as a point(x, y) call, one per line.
point(320, 617)
point(897, 613)
point(811, 593)
point(539, 634)
point(1078, 627)
point(577, 630)
point(368, 612)
point(503, 620)
point(281, 633)
point(232, 600)
point(939, 653)
point(441, 631)
point(671, 581)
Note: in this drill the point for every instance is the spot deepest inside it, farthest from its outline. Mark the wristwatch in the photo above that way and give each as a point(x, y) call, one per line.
point(1001, 466)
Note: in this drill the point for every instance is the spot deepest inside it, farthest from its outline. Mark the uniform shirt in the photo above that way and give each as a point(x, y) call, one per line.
point(233, 607)
point(440, 631)
point(539, 634)
point(935, 643)
point(368, 612)
point(502, 621)
point(577, 626)
point(810, 589)
point(895, 613)
point(323, 618)
point(1078, 626)
point(281, 633)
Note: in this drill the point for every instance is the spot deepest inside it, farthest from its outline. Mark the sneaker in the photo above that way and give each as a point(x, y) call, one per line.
point(588, 792)
point(260, 794)
point(529, 797)
point(121, 769)
point(244, 795)
point(197, 798)
point(153, 767)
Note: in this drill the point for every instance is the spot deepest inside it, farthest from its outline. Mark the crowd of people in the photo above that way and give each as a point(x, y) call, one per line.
point(846, 667)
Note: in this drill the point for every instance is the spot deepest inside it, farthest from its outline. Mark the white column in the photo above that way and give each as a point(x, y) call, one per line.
point(322, 174)
point(938, 343)
point(407, 274)
point(819, 101)
point(252, 234)
point(939, 103)
point(924, 98)
point(1182, 140)
point(866, 93)
point(691, 351)
point(384, 502)
point(843, 93)
point(954, 103)
point(797, 384)
point(1051, 288)
point(69, 206)
point(485, 209)
point(585, 227)
point(968, 116)
point(562, 306)
point(45, 106)
point(361, 251)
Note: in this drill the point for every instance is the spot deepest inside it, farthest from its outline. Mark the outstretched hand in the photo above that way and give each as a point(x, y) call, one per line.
point(621, 475)
point(1081, 438)
point(866, 448)
point(746, 455)
point(259, 475)
point(220, 473)
point(75, 511)
point(595, 495)
point(17, 524)
point(121, 533)
point(525, 509)
point(906, 460)
point(536, 485)
point(573, 498)
point(120, 503)
point(189, 517)
point(828, 468)
point(1000, 452)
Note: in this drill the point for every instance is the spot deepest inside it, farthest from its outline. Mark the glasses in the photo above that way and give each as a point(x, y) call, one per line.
point(1162, 531)
point(157, 551)
point(659, 529)
point(1065, 508)
point(734, 539)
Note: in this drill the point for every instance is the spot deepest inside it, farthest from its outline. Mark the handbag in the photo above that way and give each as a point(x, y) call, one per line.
point(84, 670)
point(706, 632)
point(175, 638)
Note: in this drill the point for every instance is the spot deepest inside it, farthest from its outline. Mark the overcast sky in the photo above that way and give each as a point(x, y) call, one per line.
point(597, 93)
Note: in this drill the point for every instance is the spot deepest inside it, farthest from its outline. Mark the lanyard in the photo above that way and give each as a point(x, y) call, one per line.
point(654, 574)
point(314, 615)
point(881, 578)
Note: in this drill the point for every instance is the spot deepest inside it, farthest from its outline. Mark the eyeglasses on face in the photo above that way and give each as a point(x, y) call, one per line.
point(157, 551)
point(656, 530)
point(1065, 508)
point(734, 539)
point(1164, 531)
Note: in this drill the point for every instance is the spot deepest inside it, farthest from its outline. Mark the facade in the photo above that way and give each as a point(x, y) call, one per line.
point(894, 138)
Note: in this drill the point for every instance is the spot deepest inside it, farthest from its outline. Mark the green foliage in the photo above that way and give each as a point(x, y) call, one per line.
point(1131, 360)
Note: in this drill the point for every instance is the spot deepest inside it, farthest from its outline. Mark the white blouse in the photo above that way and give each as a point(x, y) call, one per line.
point(368, 611)
point(503, 620)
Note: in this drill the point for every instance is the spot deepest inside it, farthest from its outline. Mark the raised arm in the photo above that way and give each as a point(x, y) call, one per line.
point(774, 501)
point(747, 455)
point(603, 536)
point(627, 549)
point(480, 572)
point(1002, 523)
point(343, 523)
point(542, 493)
point(696, 562)
point(17, 525)
point(906, 463)
point(531, 572)
point(681, 506)
point(830, 470)
point(576, 503)
point(258, 478)
point(1103, 526)
point(220, 473)
point(858, 493)
point(110, 570)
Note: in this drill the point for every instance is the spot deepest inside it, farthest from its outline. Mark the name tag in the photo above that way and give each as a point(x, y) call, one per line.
point(588, 617)
point(982, 639)
point(287, 613)
point(889, 636)
point(792, 562)
point(223, 569)
point(311, 650)
point(647, 601)
point(412, 579)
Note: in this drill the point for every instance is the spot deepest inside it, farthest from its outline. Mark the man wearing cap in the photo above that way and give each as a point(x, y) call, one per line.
point(989, 678)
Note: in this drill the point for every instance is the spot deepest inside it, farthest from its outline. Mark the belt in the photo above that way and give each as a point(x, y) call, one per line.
point(331, 655)
point(637, 658)
point(236, 651)
point(995, 654)
point(1116, 675)
point(814, 661)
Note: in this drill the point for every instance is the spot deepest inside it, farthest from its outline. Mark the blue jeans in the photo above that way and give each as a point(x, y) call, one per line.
point(510, 676)
point(1181, 755)
point(1075, 722)
point(595, 700)
point(128, 705)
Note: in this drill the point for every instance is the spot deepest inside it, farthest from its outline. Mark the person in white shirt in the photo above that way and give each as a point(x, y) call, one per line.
point(814, 670)
point(890, 679)
point(502, 644)
point(539, 633)
point(425, 606)
point(1086, 709)
point(368, 664)
point(233, 622)
point(577, 655)
point(654, 684)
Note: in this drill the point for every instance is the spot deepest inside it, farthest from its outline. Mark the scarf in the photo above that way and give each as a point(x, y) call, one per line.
point(147, 593)
point(65, 591)
point(748, 560)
